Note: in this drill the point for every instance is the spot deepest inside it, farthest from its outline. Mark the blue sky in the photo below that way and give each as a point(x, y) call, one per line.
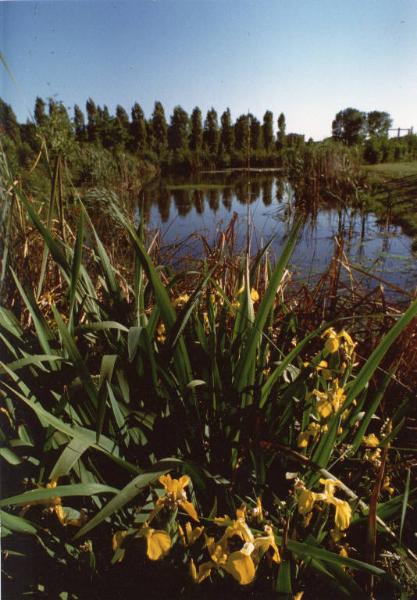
point(306, 58)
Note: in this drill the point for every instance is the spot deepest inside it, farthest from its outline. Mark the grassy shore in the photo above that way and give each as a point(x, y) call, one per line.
point(390, 171)
point(393, 194)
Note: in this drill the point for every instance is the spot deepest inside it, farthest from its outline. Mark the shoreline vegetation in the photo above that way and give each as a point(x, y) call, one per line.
point(211, 431)
point(121, 151)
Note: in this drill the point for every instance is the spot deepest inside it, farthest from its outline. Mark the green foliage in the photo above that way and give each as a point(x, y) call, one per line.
point(242, 134)
point(138, 129)
point(159, 129)
point(122, 381)
point(281, 135)
point(196, 130)
point(378, 123)
point(8, 122)
point(268, 130)
point(350, 126)
point(211, 133)
point(178, 133)
point(57, 130)
point(227, 137)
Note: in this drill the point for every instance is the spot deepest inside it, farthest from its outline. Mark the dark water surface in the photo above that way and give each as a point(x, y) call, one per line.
point(185, 209)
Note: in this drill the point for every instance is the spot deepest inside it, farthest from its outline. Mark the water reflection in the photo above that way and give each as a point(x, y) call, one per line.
point(181, 208)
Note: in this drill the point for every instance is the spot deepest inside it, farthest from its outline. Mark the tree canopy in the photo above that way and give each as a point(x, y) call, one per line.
point(352, 126)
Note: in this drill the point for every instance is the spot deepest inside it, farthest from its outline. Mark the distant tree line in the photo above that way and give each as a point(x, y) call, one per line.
point(370, 131)
point(102, 145)
point(189, 141)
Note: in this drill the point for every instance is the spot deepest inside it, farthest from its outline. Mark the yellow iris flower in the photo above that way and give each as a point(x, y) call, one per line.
point(192, 535)
point(161, 333)
point(265, 544)
point(330, 401)
point(238, 564)
point(312, 431)
point(55, 505)
point(307, 499)
point(322, 368)
point(117, 542)
point(370, 441)
point(175, 496)
point(234, 527)
point(158, 542)
point(254, 295)
point(335, 340)
point(343, 513)
point(387, 486)
point(181, 300)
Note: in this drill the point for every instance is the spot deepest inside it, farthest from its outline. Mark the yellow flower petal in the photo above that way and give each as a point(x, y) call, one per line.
point(241, 566)
point(303, 438)
point(306, 500)
point(387, 486)
point(158, 542)
point(117, 539)
point(60, 513)
point(332, 345)
point(225, 521)
point(181, 300)
point(371, 441)
point(238, 528)
point(265, 543)
point(329, 487)
point(343, 514)
point(161, 333)
point(241, 513)
point(336, 534)
point(193, 571)
point(254, 295)
point(204, 570)
point(189, 508)
point(183, 481)
point(258, 511)
point(192, 534)
point(324, 408)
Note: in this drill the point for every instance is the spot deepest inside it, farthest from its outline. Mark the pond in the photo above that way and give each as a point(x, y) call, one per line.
point(184, 210)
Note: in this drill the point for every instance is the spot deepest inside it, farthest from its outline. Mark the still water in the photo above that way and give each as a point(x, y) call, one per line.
point(185, 210)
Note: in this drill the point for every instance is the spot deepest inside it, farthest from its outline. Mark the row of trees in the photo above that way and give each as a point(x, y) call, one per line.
point(187, 142)
point(181, 134)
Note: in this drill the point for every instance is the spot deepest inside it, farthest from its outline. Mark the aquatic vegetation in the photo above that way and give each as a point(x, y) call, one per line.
point(138, 414)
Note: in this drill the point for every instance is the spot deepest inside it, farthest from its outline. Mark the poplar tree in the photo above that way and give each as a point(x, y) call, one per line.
point(211, 134)
point(281, 137)
point(105, 127)
point(255, 132)
point(227, 134)
point(121, 127)
point(138, 129)
point(178, 129)
point(92, 115)
point(268, 130)
point(196, 133)
point(79, 124)
point(159, 129)
point(40, 115)
point(242, 133)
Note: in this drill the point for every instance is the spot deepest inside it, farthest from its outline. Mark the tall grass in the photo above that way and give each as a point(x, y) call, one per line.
point(117, 382)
